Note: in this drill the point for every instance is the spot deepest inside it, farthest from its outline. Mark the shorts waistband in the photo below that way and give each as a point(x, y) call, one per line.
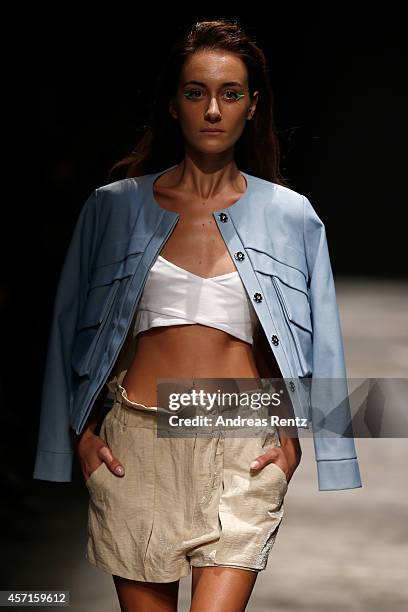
point(139, 414)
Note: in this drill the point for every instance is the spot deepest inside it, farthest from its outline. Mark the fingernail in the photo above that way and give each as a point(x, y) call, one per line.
point(254, 465)
point(119, 470)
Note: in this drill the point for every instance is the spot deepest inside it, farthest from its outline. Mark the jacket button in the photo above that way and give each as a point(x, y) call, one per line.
point(275, 340)
point(223, 217)
point(239, 255)
point(292, 385)
point(257, 297)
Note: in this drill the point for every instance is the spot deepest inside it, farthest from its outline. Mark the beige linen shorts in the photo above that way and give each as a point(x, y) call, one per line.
point(183, 501)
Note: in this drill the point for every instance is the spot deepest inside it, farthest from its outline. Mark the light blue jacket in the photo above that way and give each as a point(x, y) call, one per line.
point(279, 246)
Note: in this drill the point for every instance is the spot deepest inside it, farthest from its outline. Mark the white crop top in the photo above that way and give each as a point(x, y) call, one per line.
point(175, 296)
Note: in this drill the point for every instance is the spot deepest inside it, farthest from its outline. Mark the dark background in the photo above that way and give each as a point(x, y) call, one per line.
point(83, 90)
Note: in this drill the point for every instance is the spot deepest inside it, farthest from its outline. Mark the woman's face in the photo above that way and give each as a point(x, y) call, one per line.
point(213, 93)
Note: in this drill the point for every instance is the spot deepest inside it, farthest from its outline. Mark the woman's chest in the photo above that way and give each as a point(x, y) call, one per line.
point(197, 245)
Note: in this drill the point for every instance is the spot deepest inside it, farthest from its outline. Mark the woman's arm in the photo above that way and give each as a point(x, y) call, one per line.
point(335, 451)
point(90, 448)
point(94, 420)
point(290, 454)
point(54, 448)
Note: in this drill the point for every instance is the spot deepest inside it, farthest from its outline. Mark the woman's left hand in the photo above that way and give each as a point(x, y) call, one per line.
point(287, 456)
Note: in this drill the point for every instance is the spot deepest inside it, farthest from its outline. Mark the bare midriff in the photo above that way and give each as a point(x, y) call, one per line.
point(189, 352)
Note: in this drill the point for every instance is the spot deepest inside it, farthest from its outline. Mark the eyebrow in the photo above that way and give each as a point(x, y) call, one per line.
point(228, 84)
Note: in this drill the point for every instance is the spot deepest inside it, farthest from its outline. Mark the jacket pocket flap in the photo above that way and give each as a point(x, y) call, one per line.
point(90, 325)
point(98, 303)
point(120, 250)
point(279, 252)
point(106, 275)
point(294, 303)
point(118, 260)
point(266, 264)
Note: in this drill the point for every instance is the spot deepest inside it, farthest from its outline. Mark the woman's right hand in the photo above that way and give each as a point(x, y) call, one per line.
point(92, 452)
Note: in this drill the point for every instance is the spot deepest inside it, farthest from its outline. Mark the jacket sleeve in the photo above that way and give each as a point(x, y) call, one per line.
point(337, 463)
point(54, 454)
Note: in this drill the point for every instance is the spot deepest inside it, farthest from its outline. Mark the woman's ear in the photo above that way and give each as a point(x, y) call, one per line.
point(172, 109)
point(254, 102)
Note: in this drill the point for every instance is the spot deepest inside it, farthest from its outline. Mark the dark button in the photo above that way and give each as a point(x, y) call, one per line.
point(223, 217)
point(292, 385)
point(239, 255)
point(257, 297)
point(275, 340)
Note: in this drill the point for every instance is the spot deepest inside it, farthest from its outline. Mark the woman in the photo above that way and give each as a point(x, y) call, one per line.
point(160, 505)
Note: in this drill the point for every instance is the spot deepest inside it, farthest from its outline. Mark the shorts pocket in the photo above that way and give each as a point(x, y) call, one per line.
point(95, 476)
point(282, 473)
point(270, 440)
point(250, 506)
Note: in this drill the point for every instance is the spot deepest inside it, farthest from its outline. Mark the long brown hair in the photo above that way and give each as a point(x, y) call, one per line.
point(257, 151)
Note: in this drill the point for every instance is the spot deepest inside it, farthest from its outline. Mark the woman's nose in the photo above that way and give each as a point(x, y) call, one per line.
point(213, 110)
